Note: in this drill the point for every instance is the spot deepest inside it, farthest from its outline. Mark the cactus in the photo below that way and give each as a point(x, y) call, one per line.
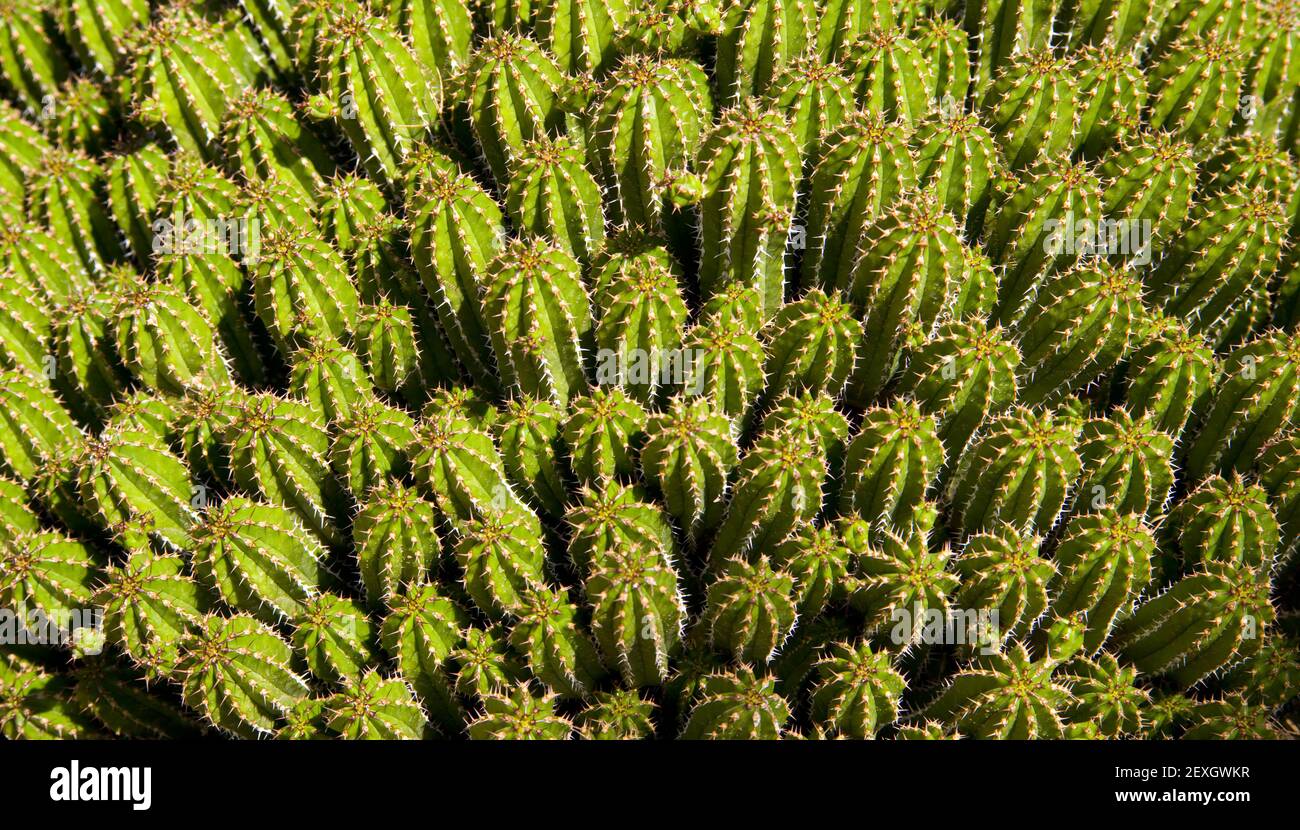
point(818, 561)
point(639, 336)
point(689, 451)
point(258, 558)
point(275, 205)
point(648, 122)
point(236, 673)
point(1104, 562)
point(455, 234)
point(726, 366)
point(814, 418)
point(279, 451)
point(737, 706)
point(1147, 184)
point(1205, 621)
point(841, 23)
point(909, 266)
point(329, 378)
point(529, 435)
point(1125, 464)
point(891, 464)
point(79, 115)
point(1030, 232)
point(386, 342)
point(264, 137)
point(750, 611)
point(440, 31)
point(1007, 695)
point(601, 433)
point(637, 613)
point(123, 474)
point(502, 562)
point(558, 652)
point(778, 485)
point(539, 317)
point(1253, 161)
point(396, 541)
point(890, 75)
point(1271, 677)
point(62, 195)
point(963, 375)
point(1279, 464)
point(1105, 694)
point(24, 329)
point(1004, 28)
point(87, 370)
point(214, 283)
point(1019, 471)
point(377, 90)
point(100, 33)
point(1272, 69)
point(421, 633)
point(1031, 108)
point(1082, 324)
point(370, 447)
point(758, 37)
point(457, 462)
point(301, 288)
point(513, 89)
point(819, 96)
point(21, 147)
point(33, 425)
point(900, 581)
point(1228, 244)
point(1255, 399)
point(1116, 92)
point(857, 691)
point(37, 704)
point(811, 346)
point(867, 165)
point(35, 259)
point(1127, 23)
point(669, 27)
point(144, 411)
point(1003, 574)
point(1226, 520)
point(485, 666)
point(150, 603)
point(749, 165)
point(957, 160)
point(183, 81)
point(16, 516)
point(1168, 374)
point(613, 518)
point(373, 707)
point(348, 203)
point(581, 35)
point(165, 342)
point(1233, 718)
point(117, 699)
point(617, 716)
point(1194, 88)
point(49, 573)
point(552, 194)
point(336, 638)
point(519, 715)
point(31, 67)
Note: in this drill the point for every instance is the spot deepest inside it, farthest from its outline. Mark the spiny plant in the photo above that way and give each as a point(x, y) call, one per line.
point(684, 368)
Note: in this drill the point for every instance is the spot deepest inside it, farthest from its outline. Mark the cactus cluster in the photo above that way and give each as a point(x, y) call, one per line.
point(734, 369)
